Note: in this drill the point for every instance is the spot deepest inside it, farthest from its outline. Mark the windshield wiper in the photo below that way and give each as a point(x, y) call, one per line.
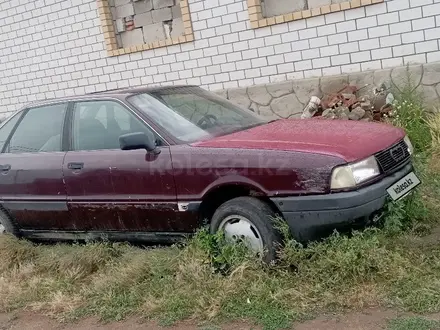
point(239, 129)
point(272, 121)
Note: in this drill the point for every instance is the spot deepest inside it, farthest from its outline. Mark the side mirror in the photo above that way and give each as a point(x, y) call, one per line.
point(139, 140)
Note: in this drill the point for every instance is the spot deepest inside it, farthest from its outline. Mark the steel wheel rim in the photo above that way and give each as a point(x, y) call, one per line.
point(239, 228)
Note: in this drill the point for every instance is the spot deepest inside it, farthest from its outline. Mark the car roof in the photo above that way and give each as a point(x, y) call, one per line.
point(114, 93)
point(139, 90)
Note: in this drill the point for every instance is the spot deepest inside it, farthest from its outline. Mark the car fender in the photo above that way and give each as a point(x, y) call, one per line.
point(235, 180)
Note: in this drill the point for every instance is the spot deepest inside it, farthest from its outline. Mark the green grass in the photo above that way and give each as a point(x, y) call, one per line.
point(413, 323)
point(410, 113)
point(210, 282)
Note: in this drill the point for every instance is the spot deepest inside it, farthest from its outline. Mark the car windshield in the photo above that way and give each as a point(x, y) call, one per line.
point(191, 114)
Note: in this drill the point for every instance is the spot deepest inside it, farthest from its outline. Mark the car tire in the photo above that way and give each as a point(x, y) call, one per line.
point(253, 219)
point(6, 224)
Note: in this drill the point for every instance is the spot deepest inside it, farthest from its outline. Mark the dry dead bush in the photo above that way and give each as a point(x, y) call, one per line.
point(434, 125)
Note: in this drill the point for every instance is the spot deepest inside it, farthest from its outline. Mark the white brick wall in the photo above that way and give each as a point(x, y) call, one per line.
point(53, 48)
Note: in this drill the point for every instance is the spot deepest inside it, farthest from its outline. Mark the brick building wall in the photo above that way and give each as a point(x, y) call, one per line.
point(55, 48)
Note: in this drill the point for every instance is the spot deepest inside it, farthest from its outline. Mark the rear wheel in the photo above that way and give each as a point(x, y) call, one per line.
point(251, 220)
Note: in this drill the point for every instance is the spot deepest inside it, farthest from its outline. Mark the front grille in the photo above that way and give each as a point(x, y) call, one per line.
point(393, 157)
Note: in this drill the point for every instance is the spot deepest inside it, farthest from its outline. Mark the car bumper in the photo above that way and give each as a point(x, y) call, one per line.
point(311, 217)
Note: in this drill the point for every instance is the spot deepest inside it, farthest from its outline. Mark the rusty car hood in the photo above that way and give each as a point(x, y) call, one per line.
point(349, 140)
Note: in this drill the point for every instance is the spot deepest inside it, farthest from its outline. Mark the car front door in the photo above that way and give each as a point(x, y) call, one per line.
point(110, 189)
point(31, 182)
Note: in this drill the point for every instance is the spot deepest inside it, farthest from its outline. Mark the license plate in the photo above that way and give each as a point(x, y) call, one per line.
point(403, 187)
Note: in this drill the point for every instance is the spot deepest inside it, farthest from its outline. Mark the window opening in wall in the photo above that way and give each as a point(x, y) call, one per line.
point(146, 21)
point(264, 13)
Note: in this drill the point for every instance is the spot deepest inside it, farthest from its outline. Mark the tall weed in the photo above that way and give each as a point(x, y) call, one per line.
point(415, 212)
point(434, 126)
point(410, 112)
point(215, 249)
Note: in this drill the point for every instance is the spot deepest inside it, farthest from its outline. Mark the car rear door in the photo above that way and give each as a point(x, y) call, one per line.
point(31, 181)
point(114, 190)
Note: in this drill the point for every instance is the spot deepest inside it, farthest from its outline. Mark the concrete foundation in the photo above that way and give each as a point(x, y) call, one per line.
point(287, 99)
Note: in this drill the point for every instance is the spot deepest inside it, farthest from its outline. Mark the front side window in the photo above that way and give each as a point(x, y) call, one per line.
point(39, 131)
point(97, 125)
point(7, 128)
point(191, 113)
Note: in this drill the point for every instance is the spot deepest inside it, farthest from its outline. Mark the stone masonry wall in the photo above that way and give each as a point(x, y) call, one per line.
point(55, 48)
point(288, 99)
point(145, 21)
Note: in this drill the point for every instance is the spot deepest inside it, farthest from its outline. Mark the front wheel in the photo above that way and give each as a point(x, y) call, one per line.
point(6, 224)
point(248, 219)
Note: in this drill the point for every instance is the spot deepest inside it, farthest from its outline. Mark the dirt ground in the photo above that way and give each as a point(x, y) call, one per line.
point(372, 319)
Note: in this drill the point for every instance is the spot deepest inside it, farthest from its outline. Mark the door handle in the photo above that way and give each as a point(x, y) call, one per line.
point(75, 166)
point(5, 168)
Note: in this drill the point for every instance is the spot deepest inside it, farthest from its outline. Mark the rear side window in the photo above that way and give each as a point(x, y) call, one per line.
point(39, 131)
point(6, 130)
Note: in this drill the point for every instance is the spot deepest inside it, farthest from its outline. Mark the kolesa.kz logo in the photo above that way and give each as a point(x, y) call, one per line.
point(403, 186)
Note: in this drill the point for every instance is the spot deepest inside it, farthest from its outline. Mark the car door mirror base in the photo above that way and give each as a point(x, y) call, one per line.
point(139, 140)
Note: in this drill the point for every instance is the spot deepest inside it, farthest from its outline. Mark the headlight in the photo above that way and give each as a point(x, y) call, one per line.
point(409, 145)
point(348, 176)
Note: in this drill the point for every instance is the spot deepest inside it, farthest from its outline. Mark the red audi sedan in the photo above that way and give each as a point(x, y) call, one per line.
point(156, 164)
